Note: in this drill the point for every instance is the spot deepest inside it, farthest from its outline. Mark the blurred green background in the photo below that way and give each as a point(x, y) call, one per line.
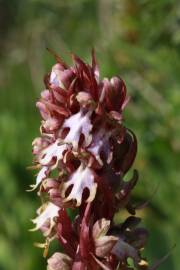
point(136, 39)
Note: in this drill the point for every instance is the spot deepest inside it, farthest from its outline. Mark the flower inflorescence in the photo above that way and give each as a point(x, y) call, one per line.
point(83, 154)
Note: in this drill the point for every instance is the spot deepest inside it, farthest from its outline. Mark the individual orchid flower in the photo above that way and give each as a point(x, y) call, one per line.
point(80, 179)
point(53, 153)
point(46, 214)
point(78, 124)
point(103, 243)
point(83, 153)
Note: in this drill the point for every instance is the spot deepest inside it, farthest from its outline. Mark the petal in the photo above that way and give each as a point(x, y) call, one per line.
point(124, 153)
point(103, 266)
point(44, 111)
point(39, 144)
point(60, 95)
point(123, 250)
point(47, 212)
point(95, 66)
point(61, 77)
point(130, 223)
point(55, 76)
point(57, 109)
point(59, 261)
point(46, 95)
point(100, 144)
point(125, 189)
point(43, 173)
point(51, 124)
point(54, 151)
point(82, 178)
point(100, 228)
point(78, 123)
point(84, 98)
point(115, 94)
point(104, 244)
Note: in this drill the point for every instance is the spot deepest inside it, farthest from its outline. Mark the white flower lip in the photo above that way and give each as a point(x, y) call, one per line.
point(82, 178)
point(78, 123)
point(55, 150)
point(46, 212)
point(40, 177)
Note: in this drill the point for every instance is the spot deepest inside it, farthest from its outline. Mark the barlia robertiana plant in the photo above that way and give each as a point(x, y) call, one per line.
point(83, 154)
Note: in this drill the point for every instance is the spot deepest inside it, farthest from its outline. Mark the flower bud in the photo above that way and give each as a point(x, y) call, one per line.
point(59, 261)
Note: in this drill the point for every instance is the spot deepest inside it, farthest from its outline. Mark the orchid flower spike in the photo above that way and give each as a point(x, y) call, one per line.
point(83, 153)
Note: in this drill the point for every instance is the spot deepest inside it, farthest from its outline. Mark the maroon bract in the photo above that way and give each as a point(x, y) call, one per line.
point(82, 155)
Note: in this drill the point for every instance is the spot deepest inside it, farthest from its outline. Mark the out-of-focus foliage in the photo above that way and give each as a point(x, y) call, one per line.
point(136, 39)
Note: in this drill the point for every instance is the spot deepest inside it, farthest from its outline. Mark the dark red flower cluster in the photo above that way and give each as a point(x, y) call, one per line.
point(83, 154)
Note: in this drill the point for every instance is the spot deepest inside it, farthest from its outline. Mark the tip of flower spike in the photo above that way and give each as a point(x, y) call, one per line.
point(94, 64)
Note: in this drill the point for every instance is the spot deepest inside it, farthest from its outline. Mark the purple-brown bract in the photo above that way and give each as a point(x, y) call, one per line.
point(83, 154)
